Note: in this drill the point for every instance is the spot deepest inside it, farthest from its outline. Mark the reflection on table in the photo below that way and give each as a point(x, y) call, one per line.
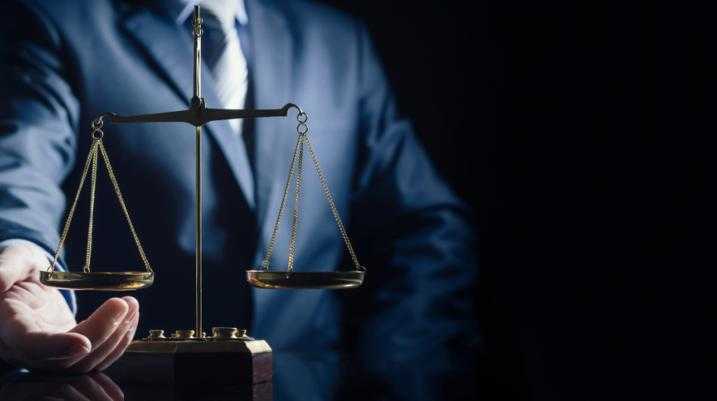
point(297, 376)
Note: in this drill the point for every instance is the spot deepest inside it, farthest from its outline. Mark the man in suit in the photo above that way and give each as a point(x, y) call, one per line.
point(63, 63)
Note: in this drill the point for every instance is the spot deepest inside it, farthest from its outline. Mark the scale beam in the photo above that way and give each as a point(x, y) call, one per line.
point(197, 115)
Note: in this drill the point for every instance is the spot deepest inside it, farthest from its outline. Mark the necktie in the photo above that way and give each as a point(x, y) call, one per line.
point(224, 56)
point(222, 53)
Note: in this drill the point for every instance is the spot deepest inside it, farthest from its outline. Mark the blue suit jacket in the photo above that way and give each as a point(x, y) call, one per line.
point(65, 62)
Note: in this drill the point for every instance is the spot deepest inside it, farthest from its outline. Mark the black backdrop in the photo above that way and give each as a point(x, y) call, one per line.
point(576, 132)
point(579, 133)
point(442, 61)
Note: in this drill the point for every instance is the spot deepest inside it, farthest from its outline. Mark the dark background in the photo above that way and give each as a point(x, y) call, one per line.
point(576, 132)
point(580, 135)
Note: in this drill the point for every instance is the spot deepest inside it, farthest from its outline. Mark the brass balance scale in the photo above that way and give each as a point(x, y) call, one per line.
point(224, 340)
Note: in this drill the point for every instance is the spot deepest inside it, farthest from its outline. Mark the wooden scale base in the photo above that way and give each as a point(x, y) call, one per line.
point(227, 359)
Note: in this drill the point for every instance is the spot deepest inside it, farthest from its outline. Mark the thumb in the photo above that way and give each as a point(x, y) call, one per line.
point(18, 262)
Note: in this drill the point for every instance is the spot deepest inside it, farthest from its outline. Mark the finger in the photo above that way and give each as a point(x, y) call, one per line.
point(16, 264)
point(103, 321)
point(121, 347)
point(101, 353)
point(26, 343)
point(110, 387)
point(89, 388)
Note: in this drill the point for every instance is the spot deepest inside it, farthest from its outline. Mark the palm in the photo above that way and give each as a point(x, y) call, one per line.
point(34, 307)
point(38, 330)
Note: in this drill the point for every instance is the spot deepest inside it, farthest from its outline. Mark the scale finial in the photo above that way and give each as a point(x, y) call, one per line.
point(197, 32)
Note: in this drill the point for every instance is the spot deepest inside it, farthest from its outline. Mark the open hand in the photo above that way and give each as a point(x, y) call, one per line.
point(39, 331)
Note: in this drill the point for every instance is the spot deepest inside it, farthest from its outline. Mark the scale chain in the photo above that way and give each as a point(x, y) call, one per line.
point(71, 212)
point(303, 140)
point(123, 205)
point(295, 215)
point(332, 204)
point(90, 224)
point(96, 149)
point(275, 230)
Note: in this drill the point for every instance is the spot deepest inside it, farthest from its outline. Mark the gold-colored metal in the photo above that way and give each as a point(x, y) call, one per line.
point(87, 279)
point(183, 334)
point(98, 281)
point(123, 206)
point(224, 333)
point(71, 212)
point(291, 279)
point(198, 313)
point(198, 233)
point(90, 225)
point(227, 333)
point(156, 335)
point(218, 334)
point(197, 32)
point(305, 280)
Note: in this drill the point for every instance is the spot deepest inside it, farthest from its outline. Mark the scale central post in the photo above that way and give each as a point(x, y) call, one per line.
point(197, 99)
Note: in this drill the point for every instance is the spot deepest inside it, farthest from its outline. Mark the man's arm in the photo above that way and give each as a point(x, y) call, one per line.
point(38, 117)
point(422, 248)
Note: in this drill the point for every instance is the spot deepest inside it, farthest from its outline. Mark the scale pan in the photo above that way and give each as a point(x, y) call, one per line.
point(98, 281)
point(306, 280)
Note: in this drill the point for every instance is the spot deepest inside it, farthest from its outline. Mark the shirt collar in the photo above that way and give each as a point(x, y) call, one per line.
point(182, 9)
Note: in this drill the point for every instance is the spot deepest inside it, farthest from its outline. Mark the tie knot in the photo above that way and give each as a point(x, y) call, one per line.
point(221, 14)
point(217, 36)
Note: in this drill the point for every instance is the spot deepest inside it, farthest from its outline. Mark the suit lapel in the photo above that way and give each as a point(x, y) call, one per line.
point(170, 47)
point(272, 70)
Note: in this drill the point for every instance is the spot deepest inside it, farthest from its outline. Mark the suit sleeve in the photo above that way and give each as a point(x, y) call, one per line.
point(38, 117)
point(416, 239)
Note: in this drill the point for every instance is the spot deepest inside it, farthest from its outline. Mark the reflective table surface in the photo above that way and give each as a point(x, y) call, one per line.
point(316, 376)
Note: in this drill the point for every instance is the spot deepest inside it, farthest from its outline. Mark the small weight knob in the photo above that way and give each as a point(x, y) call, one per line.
point(183, 334)
point(156, 335)
point(227, 333)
